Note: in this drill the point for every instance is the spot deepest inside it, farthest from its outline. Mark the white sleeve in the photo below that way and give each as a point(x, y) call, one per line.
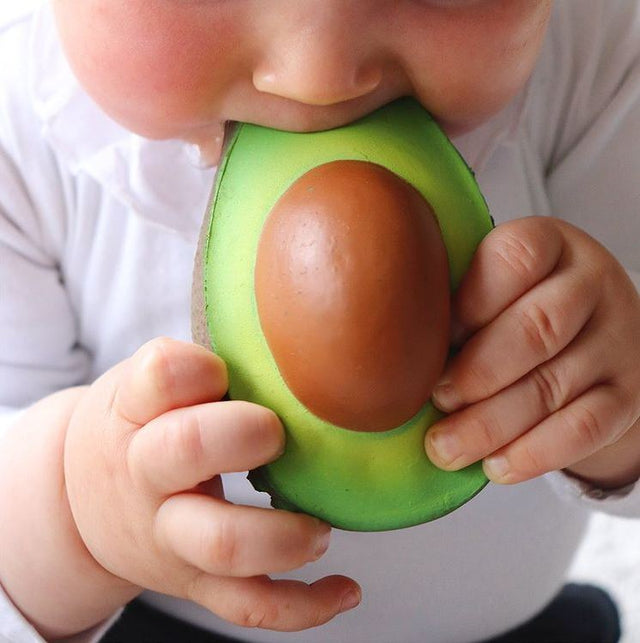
point(623, 502)
point(39, 351)
point(592, 130)
point(14, 628)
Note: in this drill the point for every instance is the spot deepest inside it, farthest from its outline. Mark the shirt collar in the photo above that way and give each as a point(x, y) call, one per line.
point(160, 181)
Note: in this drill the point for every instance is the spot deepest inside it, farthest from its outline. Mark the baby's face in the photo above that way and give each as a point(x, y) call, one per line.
point(180, 68)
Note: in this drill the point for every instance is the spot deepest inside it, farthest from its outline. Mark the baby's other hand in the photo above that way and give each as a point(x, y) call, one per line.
point(143, 454)
point(548, 375)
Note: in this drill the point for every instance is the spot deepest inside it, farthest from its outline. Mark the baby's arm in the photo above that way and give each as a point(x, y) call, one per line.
point(43, 557)
point(115, 488)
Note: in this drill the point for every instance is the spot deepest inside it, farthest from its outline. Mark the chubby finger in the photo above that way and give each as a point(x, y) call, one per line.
point(511, 259)
point(591, 422)
point(478, 430)
point(482, 428)
point(190, 445)
point(165, 374)
point(224, 539)
point(281, 605)
point(533, 330)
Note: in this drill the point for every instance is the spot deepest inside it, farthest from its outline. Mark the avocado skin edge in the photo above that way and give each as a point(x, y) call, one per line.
point(406, 129)
point(259, 479)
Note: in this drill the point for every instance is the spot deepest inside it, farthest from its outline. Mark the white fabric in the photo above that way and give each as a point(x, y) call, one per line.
point(97, 236)
point(14, 628)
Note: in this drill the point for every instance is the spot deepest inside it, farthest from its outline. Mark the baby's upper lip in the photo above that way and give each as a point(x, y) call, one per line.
point(296, 117)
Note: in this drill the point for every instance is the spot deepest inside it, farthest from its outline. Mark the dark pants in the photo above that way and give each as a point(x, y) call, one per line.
point(579, 614)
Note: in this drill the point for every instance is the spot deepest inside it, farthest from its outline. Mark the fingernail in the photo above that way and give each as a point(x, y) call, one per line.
point(350, 600)
point(322, 541)
point(496, 467)
point(445, 397)
point(279, 452)
point(446, 445)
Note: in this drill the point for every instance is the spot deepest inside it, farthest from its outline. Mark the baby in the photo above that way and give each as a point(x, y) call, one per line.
point(113, 446)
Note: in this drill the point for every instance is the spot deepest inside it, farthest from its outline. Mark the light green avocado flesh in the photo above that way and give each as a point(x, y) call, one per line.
point(353, 480)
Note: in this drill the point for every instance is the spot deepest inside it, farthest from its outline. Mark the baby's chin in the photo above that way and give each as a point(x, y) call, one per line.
point(460, 127)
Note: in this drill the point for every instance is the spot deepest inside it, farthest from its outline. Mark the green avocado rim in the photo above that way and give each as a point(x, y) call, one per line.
point(395, 485)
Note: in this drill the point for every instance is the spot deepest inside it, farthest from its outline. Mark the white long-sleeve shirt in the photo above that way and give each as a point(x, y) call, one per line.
point(98, 230)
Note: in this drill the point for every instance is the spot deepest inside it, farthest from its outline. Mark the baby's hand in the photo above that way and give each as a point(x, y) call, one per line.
point(143, 454)
point(548, 375)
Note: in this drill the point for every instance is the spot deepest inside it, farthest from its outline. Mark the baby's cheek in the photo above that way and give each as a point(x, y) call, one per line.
point(159, 69)
point(469, 60)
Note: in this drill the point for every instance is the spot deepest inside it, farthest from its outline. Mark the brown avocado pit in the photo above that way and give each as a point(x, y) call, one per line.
point(352, 291)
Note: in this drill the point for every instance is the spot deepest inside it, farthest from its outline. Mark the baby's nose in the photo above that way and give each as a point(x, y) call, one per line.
point(317, 66)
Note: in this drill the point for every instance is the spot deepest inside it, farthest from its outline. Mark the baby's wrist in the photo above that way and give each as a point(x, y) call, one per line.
point(614, 467)
point(46, 558)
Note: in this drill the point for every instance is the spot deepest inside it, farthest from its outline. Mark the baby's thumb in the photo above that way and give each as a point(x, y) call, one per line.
point(166, 374)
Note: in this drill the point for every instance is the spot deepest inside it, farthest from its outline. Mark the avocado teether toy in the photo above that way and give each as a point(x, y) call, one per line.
point(323, 280)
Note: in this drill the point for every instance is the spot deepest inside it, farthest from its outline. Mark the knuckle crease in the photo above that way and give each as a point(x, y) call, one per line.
point(549, 388)
point(540, 331)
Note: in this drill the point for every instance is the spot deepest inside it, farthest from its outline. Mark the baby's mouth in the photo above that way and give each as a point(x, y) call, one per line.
point(230, 128)
point(213, 149)
point(208, 150)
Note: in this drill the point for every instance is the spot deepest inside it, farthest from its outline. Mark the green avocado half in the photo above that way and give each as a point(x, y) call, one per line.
point(364, 481)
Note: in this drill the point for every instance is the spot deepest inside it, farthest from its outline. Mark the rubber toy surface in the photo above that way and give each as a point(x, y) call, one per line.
point(323, 279)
